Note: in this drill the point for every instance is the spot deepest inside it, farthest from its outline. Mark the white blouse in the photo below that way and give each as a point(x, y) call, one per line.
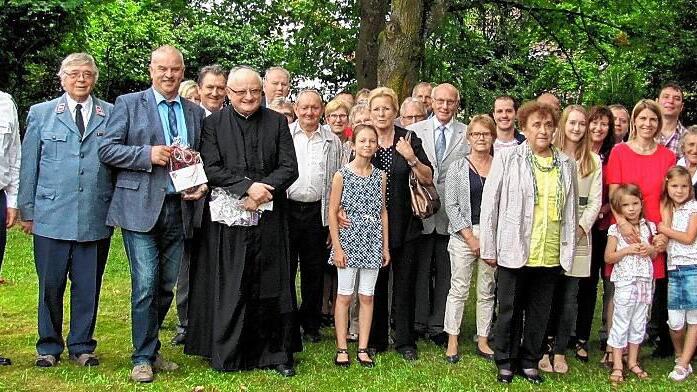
point(679, 253)
point(632, 266)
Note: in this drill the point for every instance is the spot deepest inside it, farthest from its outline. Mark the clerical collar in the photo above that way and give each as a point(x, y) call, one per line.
point(242, 115)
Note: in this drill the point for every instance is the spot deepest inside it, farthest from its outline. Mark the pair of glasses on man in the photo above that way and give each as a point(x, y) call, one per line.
point(75, 75)
point(254, 92)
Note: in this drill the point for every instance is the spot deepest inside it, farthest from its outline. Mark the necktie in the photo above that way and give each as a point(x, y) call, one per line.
point(440, 144)
point(172, 118)
point(79, 121)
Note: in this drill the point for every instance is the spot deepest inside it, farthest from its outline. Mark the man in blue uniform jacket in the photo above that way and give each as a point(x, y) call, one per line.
point(153, 217)
point(64, 194)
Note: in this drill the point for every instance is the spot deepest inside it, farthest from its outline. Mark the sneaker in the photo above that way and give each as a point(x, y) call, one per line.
point(679, 373)
point(142, 373)
point(163, 365)
point(85, 359)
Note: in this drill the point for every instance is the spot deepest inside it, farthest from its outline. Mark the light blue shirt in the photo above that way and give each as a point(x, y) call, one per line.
point(164, 118)
point(163, 109)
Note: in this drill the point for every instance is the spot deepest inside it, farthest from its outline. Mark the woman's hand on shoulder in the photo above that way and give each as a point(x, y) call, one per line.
point(629, 232)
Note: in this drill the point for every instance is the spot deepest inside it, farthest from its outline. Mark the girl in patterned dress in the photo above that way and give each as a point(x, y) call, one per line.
point(679, 213)
point(632, 275)
point(359, 250)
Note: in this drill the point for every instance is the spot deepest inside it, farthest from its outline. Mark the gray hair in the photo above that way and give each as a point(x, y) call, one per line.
point(276, 69)
point(691, 131)
point(358, 108)
point(235, 71)
point(214, 69)
point(443, 85)
point(78, 59)
point(309, 91)
point(411, 101)
point(419, 85)
point(167, 49)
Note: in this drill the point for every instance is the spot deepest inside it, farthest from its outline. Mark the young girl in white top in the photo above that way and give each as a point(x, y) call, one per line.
point(633, 278)
point(679, 214)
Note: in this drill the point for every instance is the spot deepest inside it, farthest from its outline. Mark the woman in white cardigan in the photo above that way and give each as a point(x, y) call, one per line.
point(573, 139)
point(463, 195)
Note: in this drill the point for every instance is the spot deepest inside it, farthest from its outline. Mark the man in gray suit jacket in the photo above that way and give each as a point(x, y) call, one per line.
point(64, 195)
point(444, 141)
point(153, 217)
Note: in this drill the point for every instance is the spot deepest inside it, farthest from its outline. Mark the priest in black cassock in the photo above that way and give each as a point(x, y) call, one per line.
point(241, 314)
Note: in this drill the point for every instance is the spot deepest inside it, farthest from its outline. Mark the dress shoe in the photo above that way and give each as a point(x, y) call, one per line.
point(85, 359)
point(410, 355)
point(504, 376)
point(453, 359)
point(179, 338)
point(142, 373)
point(439, 339)
point(532, 375)
point(488, 357)
point(312, 337)
point(45, 361)
point(285, 370)
point(5, 361)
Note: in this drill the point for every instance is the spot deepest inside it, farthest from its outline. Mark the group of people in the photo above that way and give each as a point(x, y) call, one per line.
point(543, 212)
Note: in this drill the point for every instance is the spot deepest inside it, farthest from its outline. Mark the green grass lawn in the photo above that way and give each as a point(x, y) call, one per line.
point(315, 369)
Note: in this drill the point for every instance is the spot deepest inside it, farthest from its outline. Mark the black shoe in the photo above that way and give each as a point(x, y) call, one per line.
point(338, 363)
point(439, 339)
point(410, 354)
point(532, 375)
point(312, 337)
point(488, 357)
point(285, 370)
point(179, 338)
point(582, 346)
point(504, 376)
point(662, 352)
point(367, 364)
point(453, 359)
point(5, 361)
point(372, 351)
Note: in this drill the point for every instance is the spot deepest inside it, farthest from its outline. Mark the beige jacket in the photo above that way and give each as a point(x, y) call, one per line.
point(508, 203)
point(590, 191)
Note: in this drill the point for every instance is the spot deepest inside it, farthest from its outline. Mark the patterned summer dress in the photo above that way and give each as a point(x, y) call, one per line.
point(362, 201)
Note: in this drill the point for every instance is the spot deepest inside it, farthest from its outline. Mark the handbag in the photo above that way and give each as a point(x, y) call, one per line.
point(424, 198)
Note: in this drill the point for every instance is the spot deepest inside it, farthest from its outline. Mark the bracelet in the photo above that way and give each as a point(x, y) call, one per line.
point(413, 163)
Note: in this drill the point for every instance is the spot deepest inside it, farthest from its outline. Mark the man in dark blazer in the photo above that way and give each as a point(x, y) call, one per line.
point(64, 195)
point(154, 218)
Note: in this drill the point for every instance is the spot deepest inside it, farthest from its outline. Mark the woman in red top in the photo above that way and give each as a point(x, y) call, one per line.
point(643, 162)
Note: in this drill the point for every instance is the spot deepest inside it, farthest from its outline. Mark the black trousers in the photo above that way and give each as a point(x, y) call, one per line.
point(432, 282)
point(308, 249)
point(403, 264)
point(3, 228)
point(525, 301)
point(658, 325)
point(588, 290)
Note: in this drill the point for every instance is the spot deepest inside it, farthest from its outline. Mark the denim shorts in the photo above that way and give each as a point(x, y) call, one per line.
point(682, 288)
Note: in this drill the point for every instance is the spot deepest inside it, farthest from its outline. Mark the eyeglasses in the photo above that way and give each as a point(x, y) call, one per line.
point(447, 102)
point(243, 93)
point(483, 135)
point(413, 118)
point(75, 75)
point(337, 116)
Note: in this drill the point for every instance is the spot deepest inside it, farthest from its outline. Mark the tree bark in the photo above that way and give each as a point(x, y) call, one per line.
point(372, 23)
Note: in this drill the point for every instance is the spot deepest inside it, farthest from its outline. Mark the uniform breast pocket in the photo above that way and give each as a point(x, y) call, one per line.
point(54, 145)
point(5, 134)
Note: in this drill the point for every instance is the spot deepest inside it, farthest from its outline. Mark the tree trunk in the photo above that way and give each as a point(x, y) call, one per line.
point(372, 23)
point(402, 47)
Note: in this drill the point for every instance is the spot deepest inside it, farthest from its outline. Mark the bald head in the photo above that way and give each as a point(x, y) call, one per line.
point(166, 70)
point(244, 90)
point(551, 100)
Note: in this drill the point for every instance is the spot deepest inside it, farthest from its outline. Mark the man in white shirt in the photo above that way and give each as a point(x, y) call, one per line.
point(211, 87)
point(9, 174)
point(276, 84)
point(318, 152)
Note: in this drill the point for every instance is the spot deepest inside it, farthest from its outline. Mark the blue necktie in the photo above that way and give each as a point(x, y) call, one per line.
point(172, 117)
point(440, 144)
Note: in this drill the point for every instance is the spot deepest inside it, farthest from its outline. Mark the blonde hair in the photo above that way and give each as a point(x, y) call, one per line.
point(186, 87)
point(484, 120)
point(384, 92)
point(583, 152)
point(675, 171)
point(638, 108)
point(336, 104)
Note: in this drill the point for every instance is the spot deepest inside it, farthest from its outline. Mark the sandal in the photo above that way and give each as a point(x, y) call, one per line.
point(616, 376)
point(345, 363)
point(582, 351)
point(607, 360)
point(545, 364)
point(560, 367)
point(363, 363)
point(639, 372)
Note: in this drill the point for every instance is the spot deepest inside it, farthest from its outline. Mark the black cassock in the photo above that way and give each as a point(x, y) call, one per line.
point(241, 311)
